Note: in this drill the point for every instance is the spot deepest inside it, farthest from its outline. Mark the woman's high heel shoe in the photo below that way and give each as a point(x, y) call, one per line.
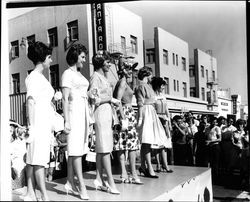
point(110, 190)
point(124, 180)
point(68, 188)
point(158, 170)
point(135, 181)
point(166, 170)
point(84, 196)
point(99, 186)
point(146, 173)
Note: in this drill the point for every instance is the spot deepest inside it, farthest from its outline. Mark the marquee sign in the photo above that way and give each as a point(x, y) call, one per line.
point(99, 25)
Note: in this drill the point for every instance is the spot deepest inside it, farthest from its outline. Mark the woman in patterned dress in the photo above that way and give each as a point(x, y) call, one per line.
point(126, 140)
point(103, 121)
point(151, 131)
point(40, 113)
point(76, 115)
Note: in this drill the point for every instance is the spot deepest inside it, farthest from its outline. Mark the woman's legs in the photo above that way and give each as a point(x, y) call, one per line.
point(70, 172)
point(31, 184)
point(121, 155)
point(164, 158)
point(107, 166)
point(77, 165)
point(146, 154)
point(157, 157)
point(132, 162)
point(40, 180)
point(99, 168)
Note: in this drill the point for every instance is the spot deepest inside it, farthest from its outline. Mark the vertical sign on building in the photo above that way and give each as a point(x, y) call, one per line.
point(99, 27)
point(234, 100)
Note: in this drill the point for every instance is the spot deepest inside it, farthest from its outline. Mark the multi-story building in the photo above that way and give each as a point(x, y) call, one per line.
point(169, 58)
point(61, 26)
point(204, 78)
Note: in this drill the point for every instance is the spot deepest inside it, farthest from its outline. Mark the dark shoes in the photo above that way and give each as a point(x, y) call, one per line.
point(146, 173)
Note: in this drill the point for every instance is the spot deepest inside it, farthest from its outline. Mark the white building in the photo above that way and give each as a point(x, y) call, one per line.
point(169, 58)
point(61, 26)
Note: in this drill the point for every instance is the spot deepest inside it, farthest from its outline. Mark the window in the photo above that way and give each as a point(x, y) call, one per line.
point(202, 71)
point(123, 44)
point(203, 93)
point(214, 96)
point(173, 59)
point(167, 85)
point(213, 75)
point(207, 74)
point(73, 30)
point(183, 61)
point(52, 36)
point(14, 49)
point(176, 60)
point(150, 55)
point(133, 42)
point(174, 85)
point(54, 76)
point(31, 39)
point(192, 92)
point(16, 83)
point(184, 89)
point(165, 57)
point(191, 71)
point(177, 82)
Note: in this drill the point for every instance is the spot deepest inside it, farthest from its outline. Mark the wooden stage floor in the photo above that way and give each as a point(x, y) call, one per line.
point(152, 189)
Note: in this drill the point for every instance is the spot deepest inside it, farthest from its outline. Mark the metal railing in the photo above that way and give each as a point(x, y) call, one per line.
point(18, 108)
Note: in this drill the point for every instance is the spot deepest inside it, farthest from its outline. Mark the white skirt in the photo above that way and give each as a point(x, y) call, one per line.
point(152, 131)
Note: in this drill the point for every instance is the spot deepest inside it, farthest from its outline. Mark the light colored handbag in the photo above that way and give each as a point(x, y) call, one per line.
point(91, 154)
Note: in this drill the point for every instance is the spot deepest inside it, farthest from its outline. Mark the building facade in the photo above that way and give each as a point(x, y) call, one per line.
point(169, 58)
point(61, 26)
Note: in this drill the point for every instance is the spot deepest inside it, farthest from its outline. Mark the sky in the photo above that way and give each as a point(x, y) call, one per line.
point(219, 26)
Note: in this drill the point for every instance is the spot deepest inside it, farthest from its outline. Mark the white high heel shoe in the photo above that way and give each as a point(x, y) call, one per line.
point(68, 188)
point(110, 190)
point(99, 186)
point(84, 196)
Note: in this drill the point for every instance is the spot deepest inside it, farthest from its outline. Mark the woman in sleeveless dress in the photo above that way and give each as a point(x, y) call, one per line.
point(126, 140)
point(158, 85)
point(151, 131)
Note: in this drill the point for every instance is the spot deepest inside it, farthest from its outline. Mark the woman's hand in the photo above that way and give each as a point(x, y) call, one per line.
point(67, 128)
point(139, 123)
point(115, 101)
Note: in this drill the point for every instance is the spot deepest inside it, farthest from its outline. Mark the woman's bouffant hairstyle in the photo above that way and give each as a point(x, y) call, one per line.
point(143, 72)
point(99, 58)
point(157, 82)
point(38, 51)
point(74, 51)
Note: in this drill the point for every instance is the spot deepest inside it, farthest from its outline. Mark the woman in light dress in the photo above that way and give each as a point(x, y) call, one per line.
point(103, 121)
point(151, 131)
point(127, 139)
point(76, 115)
point(40, 114)
point(158, 85)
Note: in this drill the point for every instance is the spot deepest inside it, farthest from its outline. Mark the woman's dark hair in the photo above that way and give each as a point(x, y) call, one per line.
point(239, 122)
point(143, 72)
point(38, 51)
point(157, 82)
point(99, 58)
point(74, 51)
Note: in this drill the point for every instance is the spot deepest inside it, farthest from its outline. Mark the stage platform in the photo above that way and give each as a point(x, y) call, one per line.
point(184, 184)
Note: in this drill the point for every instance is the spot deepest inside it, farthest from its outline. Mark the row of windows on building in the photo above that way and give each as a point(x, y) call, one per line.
point(52, 35)
point(150, 55)
point(202, 69)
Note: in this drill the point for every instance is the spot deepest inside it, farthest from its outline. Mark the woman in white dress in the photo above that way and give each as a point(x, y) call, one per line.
point(158, 85)
point(76, 115)
point(40, 114)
